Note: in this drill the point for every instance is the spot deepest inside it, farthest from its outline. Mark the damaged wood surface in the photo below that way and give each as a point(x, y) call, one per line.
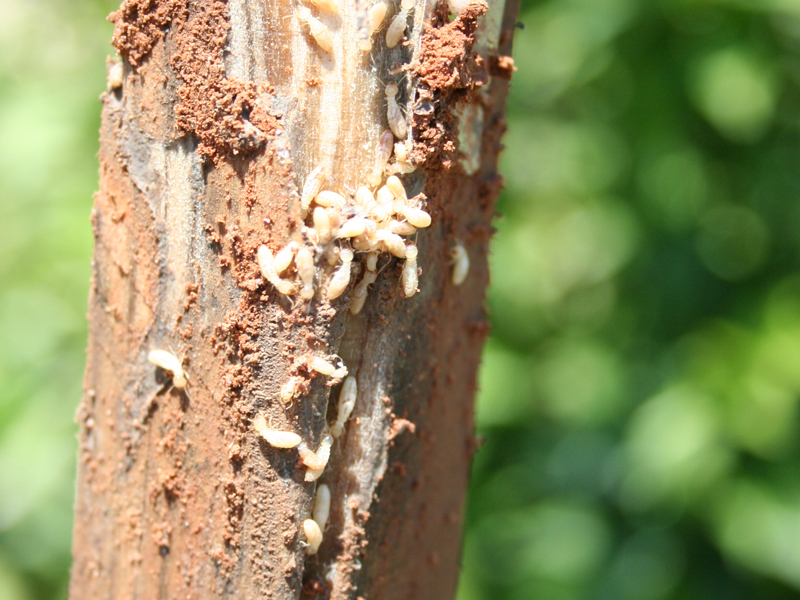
point(224, 109)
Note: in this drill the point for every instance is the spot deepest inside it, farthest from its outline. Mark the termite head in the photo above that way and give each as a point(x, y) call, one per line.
point(391, 89)
point(303, 14)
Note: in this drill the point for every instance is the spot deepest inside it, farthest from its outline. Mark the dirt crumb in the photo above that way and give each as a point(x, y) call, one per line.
point(399, 426)
point(226, 114)
point(501, 66)
point(447, 61)
point(139, 24)
point(448, 70)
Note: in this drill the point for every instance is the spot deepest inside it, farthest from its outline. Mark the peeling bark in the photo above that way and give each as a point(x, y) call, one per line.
point(224, 109)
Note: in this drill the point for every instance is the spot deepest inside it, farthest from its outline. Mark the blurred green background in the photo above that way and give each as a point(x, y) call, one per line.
point(639, 395)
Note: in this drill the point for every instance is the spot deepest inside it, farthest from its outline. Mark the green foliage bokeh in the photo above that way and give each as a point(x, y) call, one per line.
point(639, 394)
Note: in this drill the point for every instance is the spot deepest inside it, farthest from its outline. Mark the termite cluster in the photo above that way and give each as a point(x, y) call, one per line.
point(315, 461)
point(340, 225)
point(375, 17)
point(376, 218)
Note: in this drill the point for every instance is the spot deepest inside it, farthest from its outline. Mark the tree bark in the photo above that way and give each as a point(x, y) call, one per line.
point(224, 109)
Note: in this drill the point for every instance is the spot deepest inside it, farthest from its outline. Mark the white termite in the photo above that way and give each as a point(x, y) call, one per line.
point(361, 291)
point(460, 264)
point(170, 363)
point(395, 118)
point(311, 187)
point(392, 242)
point(382, 212)
point(284, 257)
point(362, 243)
point(397, 188)
point(319, 31)
point(322, 223)
point(416, 216)
point(365, 198)
point(328, 198)
point(316, 461)
point(353, 227)
point(383, 152)
point(400, 168)
point(456, 6)
point(290, 389)
point(322, 506)
point(347, 401)
point(397, 28)
point(402, 228)
point(401, 151)
point(115, 75)
point(410, 278)
point(313, 535)
point(401, 164)
point(372, 261)
point(375, 16)
point(323, 367)
point(266, 264)
point(305, 269)
point(341, 277)
point(274, 437)
point(385, 197)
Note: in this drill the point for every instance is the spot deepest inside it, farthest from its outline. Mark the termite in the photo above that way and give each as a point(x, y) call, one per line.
point(392, 242)
point(401, 151)
point(266, 263)
point(375, 16)
point(347, 401)
point(305, 269)
point(274, 437)
point(341, 277)
point(322, 506)
point(396, 29)
point(115, 76)
point(360, 292)
point(402, 228)
point(416, 216)
point(397, 122)
point(460, 264)
point(385, 197)
point(170, 363)
point(313, 535)
point(410, 278)
point(319, 31)
point(353, 227)
point(284, 257)
point(289, 389)
point(327, 199)
point(456, 6)
point(383, 152)
point(400, 168)
point(323, 367)
point(316, 461)
point(397, 188)
point(365, 198)
point(311, 188)
point(322, 223)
